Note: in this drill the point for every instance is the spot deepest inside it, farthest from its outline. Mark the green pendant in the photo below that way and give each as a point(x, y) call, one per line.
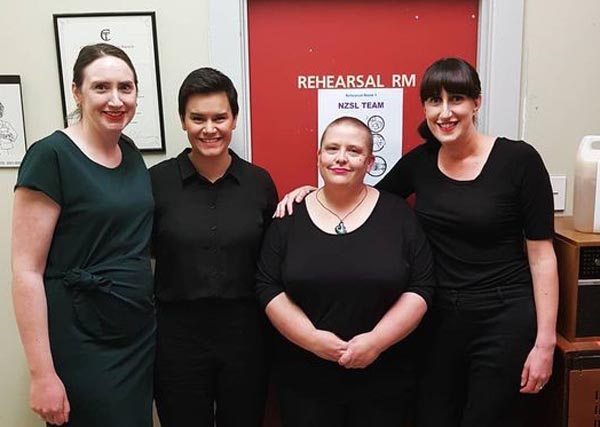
point(340, 228)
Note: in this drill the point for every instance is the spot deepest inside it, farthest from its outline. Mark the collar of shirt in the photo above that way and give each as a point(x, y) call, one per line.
point(188, 171)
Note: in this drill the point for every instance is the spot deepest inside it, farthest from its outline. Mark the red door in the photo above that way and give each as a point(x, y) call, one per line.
point(294, 43)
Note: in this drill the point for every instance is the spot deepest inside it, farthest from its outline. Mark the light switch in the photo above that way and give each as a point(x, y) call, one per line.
point(559, 191)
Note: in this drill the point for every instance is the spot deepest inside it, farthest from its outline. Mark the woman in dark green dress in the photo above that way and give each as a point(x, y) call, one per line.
point(82, 283)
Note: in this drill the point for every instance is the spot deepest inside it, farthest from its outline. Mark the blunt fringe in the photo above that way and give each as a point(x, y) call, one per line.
point(454, 75)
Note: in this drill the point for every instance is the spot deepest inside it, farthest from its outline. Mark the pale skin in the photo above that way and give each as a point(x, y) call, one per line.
point(107, 99)
point(209, 124)
point(462, 155)
point(293, 324)
point(362, 350)
point(538, 365)
point(34, 219)
point(343, 160)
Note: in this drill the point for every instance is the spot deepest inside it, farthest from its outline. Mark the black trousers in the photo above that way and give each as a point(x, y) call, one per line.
point(210, 364)
point(477, 344)
point(302, 410)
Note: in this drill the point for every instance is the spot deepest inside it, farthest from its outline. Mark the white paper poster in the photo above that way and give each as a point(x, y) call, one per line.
point(12, 128)
point(380, 110)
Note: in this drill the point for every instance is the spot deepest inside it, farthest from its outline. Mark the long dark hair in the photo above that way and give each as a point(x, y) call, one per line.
point(454, 75)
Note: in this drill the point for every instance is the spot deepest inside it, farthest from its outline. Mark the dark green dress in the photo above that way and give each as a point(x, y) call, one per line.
point(98, 280)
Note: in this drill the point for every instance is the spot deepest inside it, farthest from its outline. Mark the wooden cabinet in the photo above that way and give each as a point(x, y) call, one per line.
point(572, 397)
point(578, 256)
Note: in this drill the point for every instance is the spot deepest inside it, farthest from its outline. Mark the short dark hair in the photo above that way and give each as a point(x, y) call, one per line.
point(353, 121)
point(207, 80)
point(90, 53)
point(454, 75)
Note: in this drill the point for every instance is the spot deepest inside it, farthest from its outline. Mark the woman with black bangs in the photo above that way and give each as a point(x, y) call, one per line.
point(486, 206)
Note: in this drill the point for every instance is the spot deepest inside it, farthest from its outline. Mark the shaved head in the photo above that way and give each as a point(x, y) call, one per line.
point(354, 122)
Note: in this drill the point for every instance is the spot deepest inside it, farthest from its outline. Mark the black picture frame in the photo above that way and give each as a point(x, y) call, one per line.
point(13, 141)
point(135, 33)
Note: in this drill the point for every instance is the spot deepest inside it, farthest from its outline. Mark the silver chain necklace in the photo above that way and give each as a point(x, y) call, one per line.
point(341, 227)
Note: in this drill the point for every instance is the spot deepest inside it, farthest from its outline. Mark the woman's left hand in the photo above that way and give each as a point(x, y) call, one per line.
point(537, 369)
point(361, 352)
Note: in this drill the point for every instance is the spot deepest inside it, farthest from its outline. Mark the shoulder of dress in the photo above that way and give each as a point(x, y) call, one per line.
point(129, 142)
point(55, 142)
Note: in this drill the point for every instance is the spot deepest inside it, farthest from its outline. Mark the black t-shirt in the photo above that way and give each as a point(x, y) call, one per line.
point(345, 284)
point(207, 236)
point(477, 228)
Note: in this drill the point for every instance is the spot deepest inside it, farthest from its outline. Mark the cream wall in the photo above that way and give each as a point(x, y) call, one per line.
point(561, 80)
point(28, 49)
point(560, 103)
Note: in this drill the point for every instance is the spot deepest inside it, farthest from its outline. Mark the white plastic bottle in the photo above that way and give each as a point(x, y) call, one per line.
point(586, 194)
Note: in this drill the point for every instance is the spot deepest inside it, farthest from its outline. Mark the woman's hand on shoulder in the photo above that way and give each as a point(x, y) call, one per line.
point(537, 368)
point(286, 205)
point(48, 399)
point(362, 351)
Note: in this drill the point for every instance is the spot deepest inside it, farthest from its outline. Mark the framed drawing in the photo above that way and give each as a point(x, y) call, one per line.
point(135, 33)
point(12, 122)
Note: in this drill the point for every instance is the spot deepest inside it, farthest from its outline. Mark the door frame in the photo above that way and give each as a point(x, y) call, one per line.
point(499, 57)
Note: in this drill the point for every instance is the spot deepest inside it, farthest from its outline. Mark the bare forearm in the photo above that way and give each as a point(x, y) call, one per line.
point(545, 292)
point(399, 321)
point(29, 301)
point(34, 218)
point(291, 321)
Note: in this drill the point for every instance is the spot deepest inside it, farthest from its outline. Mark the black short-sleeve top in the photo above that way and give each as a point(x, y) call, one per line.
point(345, 284)
point(477, 228)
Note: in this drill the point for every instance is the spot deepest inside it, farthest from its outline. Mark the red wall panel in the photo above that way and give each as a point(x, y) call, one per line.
point(310, 37)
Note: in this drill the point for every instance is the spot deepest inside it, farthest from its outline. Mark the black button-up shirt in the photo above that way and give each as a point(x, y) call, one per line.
point(207, 236)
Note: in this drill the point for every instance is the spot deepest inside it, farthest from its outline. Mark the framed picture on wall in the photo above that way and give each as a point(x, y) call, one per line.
point(12, 122)
point(135, 33)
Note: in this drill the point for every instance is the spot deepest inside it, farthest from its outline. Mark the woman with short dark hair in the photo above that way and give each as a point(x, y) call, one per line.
point(212, 209)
